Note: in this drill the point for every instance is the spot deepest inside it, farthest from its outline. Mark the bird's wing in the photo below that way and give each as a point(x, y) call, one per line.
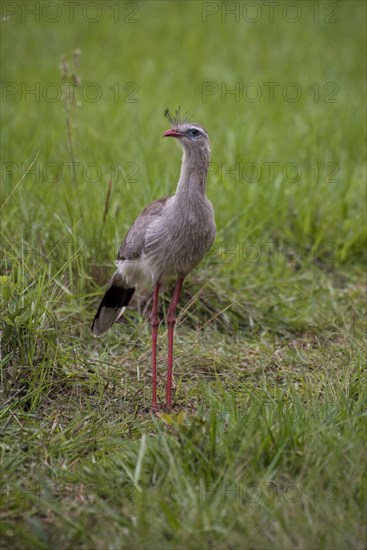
point(132, 245)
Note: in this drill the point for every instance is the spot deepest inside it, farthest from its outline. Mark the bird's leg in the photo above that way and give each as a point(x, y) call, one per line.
point(171, 321)
point(154, 321)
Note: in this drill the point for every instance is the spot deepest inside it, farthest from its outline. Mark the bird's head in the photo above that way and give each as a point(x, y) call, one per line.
point(192, 136)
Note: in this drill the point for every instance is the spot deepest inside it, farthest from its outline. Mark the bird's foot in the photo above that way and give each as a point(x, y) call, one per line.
point(160, 408)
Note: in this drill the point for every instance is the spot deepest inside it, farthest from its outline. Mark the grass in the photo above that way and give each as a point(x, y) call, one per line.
point(265, 447)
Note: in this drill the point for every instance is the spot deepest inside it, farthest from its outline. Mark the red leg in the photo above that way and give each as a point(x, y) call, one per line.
point(154, 321)
point(171, 321)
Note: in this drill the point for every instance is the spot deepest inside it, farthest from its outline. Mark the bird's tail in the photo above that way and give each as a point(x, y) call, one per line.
point(113, 305)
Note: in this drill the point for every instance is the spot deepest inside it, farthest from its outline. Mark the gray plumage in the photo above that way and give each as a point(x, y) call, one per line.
point(171, 235)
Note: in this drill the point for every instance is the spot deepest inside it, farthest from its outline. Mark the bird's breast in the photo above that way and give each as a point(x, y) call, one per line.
point(176, 244)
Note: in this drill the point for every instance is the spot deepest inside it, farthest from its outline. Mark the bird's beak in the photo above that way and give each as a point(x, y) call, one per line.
point(172, 133)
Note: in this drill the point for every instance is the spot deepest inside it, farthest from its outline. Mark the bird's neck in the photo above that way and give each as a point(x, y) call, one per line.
point(192, 182)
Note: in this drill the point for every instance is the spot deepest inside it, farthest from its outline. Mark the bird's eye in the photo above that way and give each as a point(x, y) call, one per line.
point(194, 132)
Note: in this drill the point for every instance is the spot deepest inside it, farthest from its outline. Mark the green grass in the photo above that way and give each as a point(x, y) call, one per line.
point(265, 447)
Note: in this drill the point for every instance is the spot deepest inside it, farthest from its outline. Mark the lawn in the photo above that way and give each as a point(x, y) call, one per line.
point(265, 446)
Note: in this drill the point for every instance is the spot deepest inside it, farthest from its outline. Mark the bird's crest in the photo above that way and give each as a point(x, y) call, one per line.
point(176, 120)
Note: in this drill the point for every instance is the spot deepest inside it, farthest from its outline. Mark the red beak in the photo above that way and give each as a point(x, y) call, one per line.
point(172, 133)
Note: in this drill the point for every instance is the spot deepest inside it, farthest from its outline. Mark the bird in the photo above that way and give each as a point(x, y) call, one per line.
point(168, 239)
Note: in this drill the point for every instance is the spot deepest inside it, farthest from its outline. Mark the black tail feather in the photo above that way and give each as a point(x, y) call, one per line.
point(112, 306)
